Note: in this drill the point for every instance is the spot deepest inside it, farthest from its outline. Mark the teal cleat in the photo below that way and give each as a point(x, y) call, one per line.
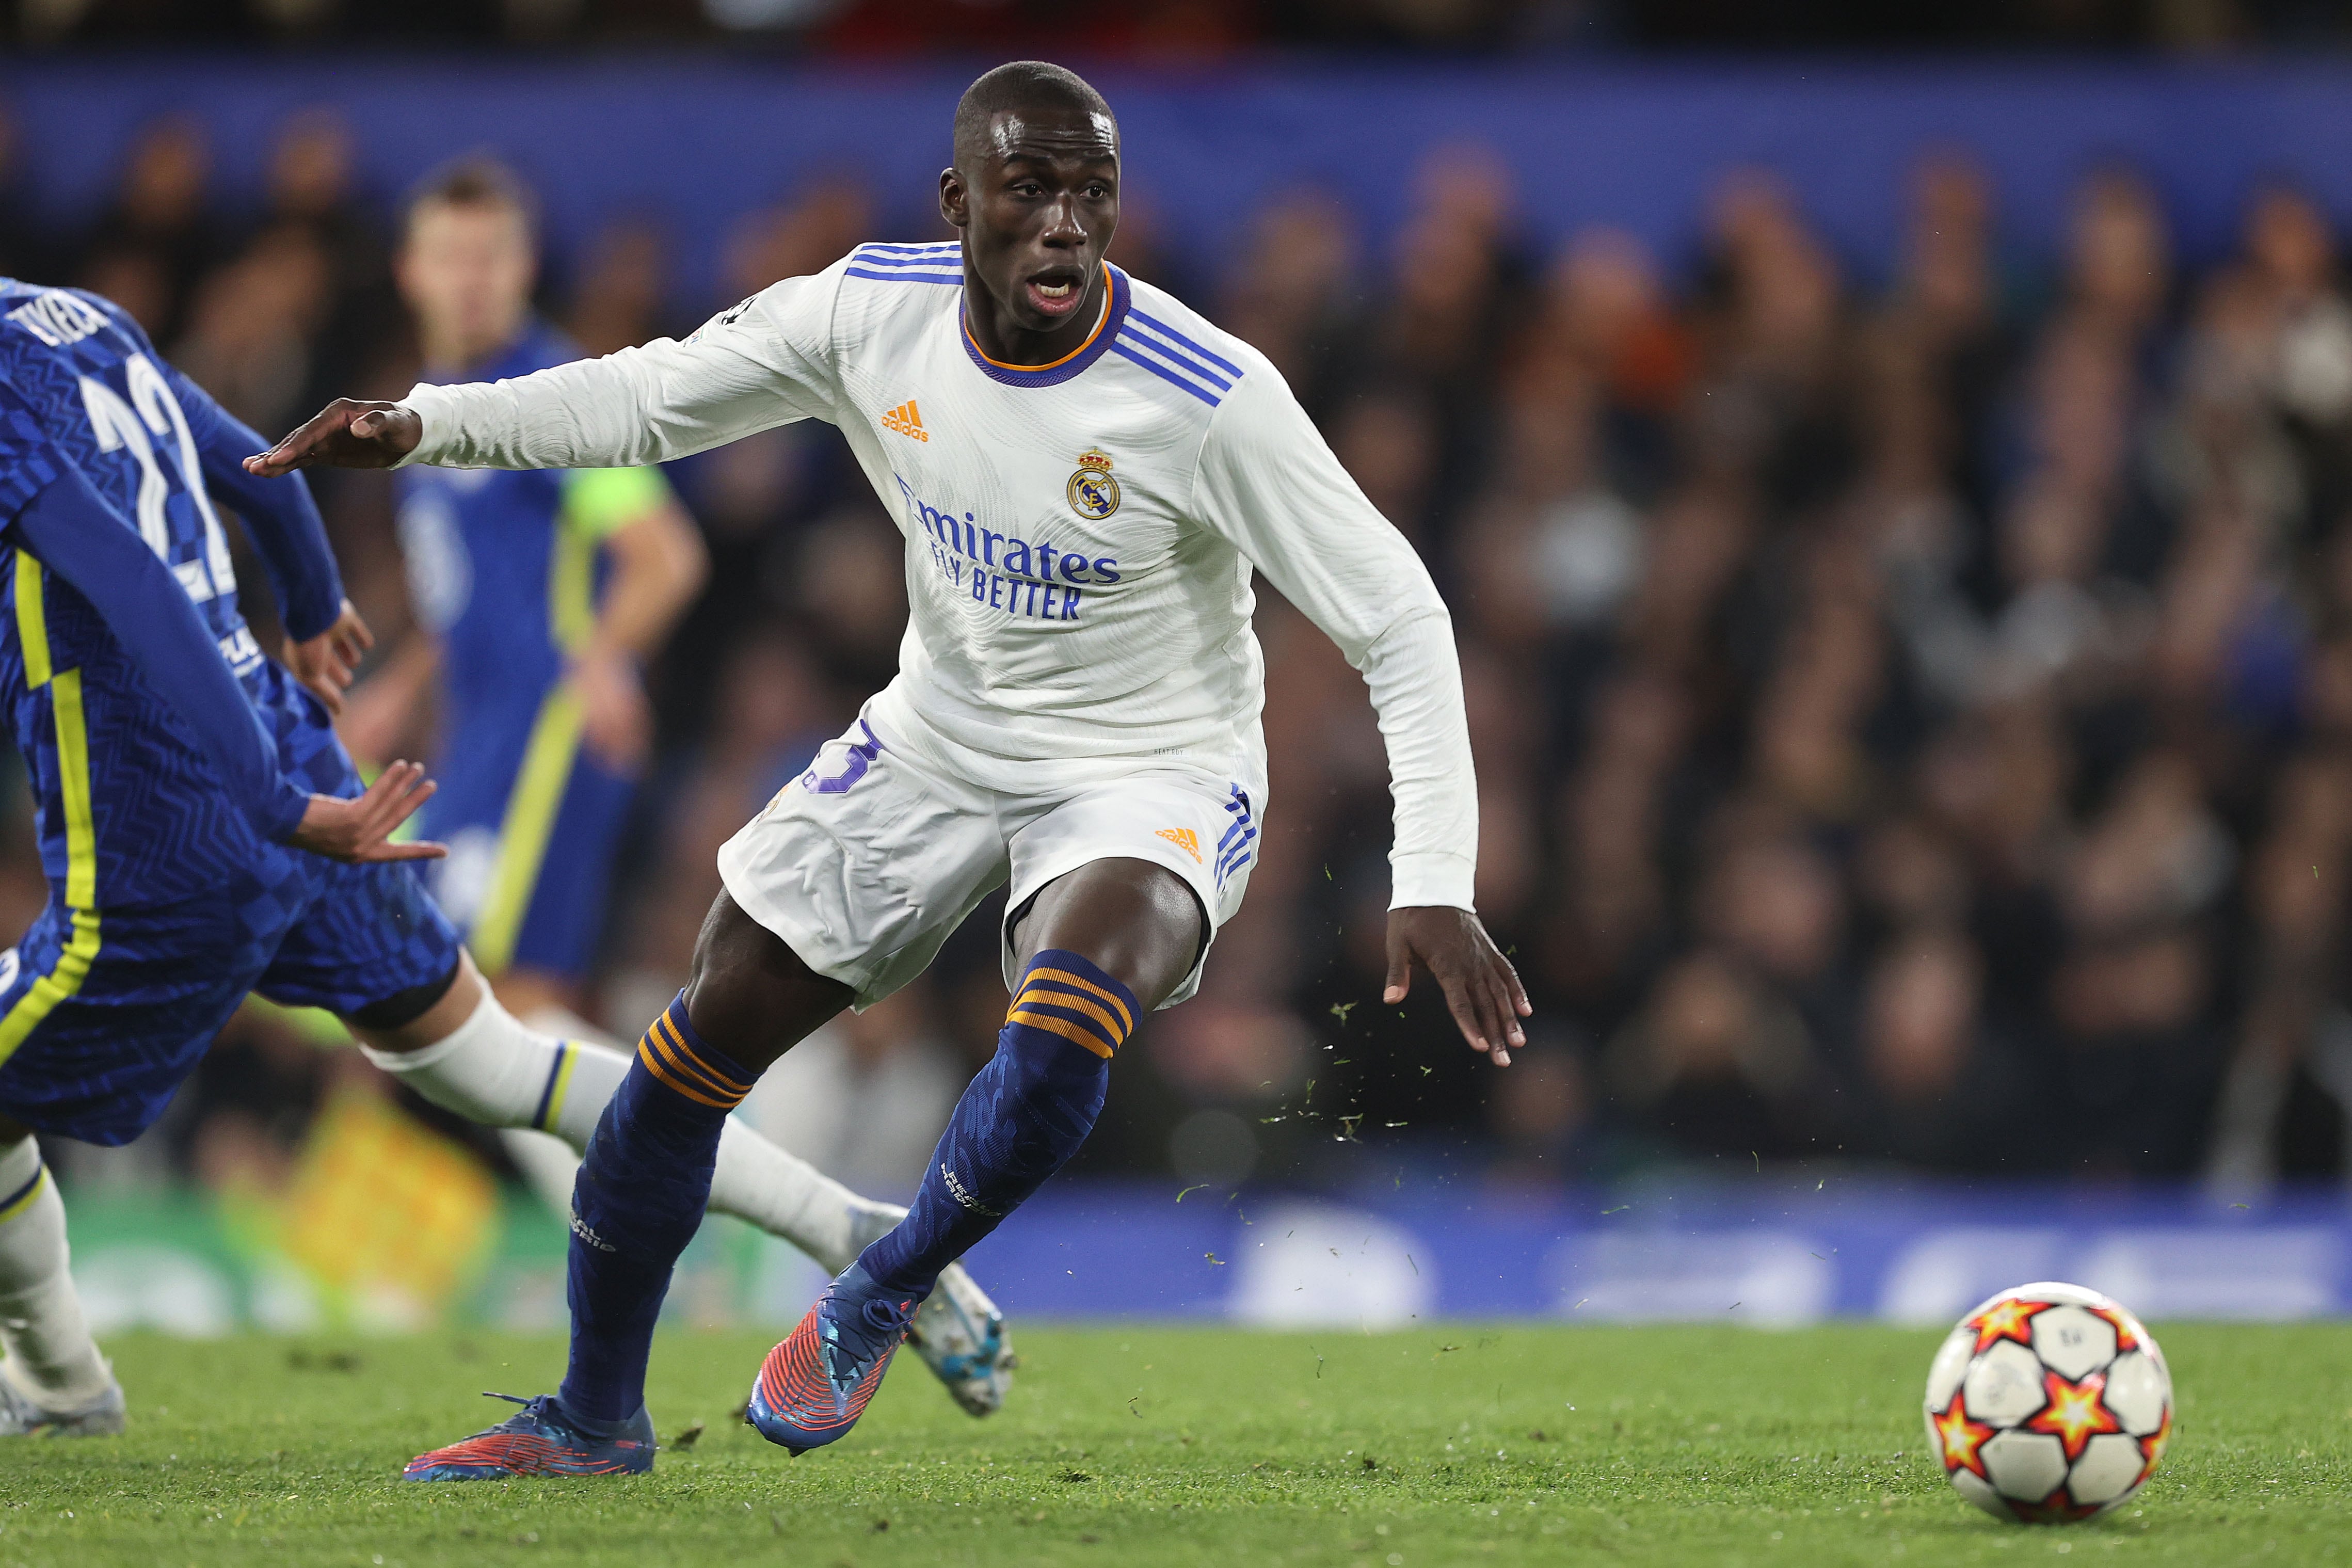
point(959, 1335)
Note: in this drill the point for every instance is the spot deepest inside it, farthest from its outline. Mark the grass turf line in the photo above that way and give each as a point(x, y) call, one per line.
point(1143, 1444)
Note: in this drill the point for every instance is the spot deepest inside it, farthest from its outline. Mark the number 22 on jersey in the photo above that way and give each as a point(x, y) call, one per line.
point(153, 412)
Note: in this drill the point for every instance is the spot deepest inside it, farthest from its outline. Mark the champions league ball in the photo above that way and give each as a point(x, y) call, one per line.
point(2049, 1404)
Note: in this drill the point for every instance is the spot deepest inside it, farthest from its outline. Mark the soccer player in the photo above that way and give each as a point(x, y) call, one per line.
point(537, 597)
point(204, 835)
point(1086, 472)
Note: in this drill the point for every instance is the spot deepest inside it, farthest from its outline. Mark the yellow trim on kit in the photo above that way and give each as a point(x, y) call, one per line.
point(40, 1180)
point(73, 792)
point(32, 621)
point(571, 589)
point(529, 823)
point(597, 504)
point(73, 785)
point(547, 1122)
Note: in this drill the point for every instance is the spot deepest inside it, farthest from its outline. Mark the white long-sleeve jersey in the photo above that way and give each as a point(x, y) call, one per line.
point(1079, 535)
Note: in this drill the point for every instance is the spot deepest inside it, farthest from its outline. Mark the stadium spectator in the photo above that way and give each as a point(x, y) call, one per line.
point(1882, 699)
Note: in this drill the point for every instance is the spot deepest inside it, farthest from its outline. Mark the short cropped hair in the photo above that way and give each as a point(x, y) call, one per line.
point(476, 180)
point(1016, 86)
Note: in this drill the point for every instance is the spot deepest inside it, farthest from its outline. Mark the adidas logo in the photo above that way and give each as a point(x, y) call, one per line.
point(1184, 838)
point(905, 420)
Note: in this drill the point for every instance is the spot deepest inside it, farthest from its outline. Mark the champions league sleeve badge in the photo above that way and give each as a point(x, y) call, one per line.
point(1093, 492)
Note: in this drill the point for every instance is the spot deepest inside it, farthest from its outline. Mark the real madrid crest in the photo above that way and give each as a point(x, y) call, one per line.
point(1093, 492)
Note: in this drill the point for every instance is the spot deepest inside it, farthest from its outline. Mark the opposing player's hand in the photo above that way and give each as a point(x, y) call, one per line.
point(361, 829)
point(615, 719)
point(346, 433)
point(330, 662)
point(1482, 989)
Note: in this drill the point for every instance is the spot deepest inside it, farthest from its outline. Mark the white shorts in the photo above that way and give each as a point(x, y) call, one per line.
point(865, 863)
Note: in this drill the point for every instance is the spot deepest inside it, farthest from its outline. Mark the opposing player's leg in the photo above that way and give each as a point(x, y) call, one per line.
point(53, 1380)
point(103, 1013)
point(1098, 947)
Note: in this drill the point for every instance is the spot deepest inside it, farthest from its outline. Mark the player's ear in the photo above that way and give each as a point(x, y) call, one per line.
point(955, 198)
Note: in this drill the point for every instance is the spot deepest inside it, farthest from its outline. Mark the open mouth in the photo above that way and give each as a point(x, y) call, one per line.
point(1055, 293)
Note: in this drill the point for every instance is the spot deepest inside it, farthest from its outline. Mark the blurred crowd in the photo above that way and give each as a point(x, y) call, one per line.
point(1914, 721)
point(1181, 29)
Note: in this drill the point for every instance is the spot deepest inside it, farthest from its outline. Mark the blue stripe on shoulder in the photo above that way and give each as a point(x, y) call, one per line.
point(864, 258)
point(1167, 331)
point(1177, 357)
point(1164, 374)
point(955, 277)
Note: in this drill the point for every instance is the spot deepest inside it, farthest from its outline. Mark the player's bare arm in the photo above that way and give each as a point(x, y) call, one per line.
point(660, 563)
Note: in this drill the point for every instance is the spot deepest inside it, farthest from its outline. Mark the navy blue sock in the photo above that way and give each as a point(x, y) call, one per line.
point(1024, 1114)
point(635, 1204)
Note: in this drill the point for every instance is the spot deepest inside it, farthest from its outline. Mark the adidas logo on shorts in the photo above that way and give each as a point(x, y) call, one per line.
point(1184, 838)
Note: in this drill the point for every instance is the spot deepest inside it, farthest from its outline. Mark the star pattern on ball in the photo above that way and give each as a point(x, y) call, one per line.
point(2009, 1319)
point(1961, 1438)
point(2074, 1412)
point(2128, 1333)
point(2151, 1448)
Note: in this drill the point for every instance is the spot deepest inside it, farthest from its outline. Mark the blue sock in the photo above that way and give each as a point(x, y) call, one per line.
point(1024, 1114)
point(635, 1204)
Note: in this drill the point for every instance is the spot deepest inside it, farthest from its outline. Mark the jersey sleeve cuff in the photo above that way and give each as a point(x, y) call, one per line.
point(1432, 878)
point(283, 812)
point(431, 407)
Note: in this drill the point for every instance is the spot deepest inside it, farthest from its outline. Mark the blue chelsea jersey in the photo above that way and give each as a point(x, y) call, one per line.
point(130, 808)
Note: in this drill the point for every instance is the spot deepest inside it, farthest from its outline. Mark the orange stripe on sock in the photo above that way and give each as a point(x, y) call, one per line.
point(1066, 978)
point(1036, 995)
point(719, 1081)
point(1065, 1028)
point(654, 1066)
point(682, 1065)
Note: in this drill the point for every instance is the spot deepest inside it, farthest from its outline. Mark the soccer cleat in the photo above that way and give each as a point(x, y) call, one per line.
point(958, 1331)
point(961, 1336)
point(539, 1439)
point(813, 1387)
point(22, 1417)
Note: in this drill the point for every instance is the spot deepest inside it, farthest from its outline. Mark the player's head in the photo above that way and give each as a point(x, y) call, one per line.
point(1034, 188)
point(467, 260)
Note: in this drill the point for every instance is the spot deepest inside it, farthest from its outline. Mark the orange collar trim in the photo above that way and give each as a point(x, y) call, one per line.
point(1034, 369)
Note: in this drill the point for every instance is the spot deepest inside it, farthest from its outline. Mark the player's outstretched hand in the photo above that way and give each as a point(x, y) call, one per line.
point(346, 433)
point(361, 829)
point(1482, 989)
point(330, 662)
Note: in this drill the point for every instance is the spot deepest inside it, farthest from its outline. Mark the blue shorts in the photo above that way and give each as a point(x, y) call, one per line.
point(103, 1061)
point(529, 887)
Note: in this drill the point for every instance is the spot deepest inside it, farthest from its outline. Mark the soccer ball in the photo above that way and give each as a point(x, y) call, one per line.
point(2049, 1404)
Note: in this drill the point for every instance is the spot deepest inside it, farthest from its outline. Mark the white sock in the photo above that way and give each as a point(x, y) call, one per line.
point(494, 1070)
point(51, 1356)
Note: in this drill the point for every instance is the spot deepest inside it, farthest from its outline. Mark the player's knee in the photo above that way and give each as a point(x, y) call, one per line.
point(750, 993)
point(1130, 919)
point(403, 1008)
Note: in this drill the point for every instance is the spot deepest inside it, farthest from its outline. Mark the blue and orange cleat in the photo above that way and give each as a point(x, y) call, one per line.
point(813, 1387)
point(539, 1439)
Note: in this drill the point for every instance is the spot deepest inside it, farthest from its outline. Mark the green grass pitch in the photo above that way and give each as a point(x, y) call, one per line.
point(1143, 1444)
